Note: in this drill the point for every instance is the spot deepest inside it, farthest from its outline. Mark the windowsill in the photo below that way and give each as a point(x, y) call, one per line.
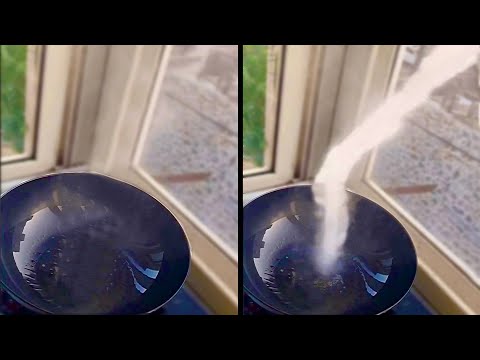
point(8, 185)
point(249, 196)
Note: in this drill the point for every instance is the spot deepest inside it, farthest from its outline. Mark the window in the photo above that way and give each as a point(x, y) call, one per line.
point(428, 174)
point(191, 145)
point(33, 93)
point(168, 123)
point(20, 72)
point(163, 118)
point(463, 106)
point(431, 170)
point(274, 90)
point(262, 66)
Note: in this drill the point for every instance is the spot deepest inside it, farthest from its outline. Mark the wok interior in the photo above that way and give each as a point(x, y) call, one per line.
point(376, 269)
point(86, 244)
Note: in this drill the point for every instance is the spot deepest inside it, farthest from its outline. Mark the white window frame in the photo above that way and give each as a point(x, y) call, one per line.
point(49, 123)
point(83, 98)
point(292, 99)
point(368, 72)
point(323, 87)
point(132, 84)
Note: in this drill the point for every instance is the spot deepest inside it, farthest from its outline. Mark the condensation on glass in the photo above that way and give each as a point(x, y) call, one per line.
point(432, 167)
point(192, 145)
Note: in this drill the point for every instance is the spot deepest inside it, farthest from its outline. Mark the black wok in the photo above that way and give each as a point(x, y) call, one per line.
point(375, 271)
point(82, 243)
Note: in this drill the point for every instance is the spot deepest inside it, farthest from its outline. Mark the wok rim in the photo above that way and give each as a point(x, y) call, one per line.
point(348, 189)
point(40, 311)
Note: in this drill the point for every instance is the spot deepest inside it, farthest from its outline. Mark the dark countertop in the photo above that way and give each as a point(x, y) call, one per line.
point(185, 302)
point(411, 304)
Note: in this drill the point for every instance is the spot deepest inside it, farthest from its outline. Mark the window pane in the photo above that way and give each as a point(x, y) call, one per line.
point(192, 145)
point(261, 69)
point(432, 167)
point(19, 77)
